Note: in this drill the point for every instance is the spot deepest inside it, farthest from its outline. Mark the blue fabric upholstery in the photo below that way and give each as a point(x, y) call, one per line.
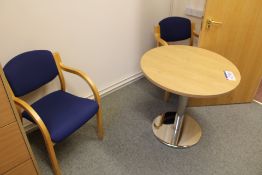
point(30, 70)
point(175, 29)
point(63, 113)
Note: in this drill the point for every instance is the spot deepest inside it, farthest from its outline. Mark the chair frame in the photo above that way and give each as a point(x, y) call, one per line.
point(38, 121)
point(161, 42)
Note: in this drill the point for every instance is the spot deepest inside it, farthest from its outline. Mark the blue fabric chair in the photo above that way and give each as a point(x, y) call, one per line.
point(59, 113)
point(173, 29)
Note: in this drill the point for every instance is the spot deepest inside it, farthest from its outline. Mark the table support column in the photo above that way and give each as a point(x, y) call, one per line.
point(182, 133)
point(179, 118)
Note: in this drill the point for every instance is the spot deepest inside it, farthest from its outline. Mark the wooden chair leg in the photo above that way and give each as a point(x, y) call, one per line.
point(100, 129)
point(52, 156)
point(167, 96)
point(191, 40)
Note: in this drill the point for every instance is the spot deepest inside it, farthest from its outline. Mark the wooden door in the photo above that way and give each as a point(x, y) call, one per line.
point(238, 38)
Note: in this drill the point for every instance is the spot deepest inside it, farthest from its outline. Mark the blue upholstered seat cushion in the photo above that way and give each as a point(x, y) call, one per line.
point(63, 113)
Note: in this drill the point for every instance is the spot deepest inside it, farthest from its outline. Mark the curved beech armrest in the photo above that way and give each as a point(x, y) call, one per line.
point(34, 115)
point(85, 77)
point(195, 34)
point(160, 40)
point(193, 29)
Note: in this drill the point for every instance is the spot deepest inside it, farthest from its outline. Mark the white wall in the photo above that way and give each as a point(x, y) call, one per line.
point(179, 7)
point(104, 38)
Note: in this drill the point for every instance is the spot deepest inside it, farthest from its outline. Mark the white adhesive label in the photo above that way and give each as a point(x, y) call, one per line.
point(229, 75)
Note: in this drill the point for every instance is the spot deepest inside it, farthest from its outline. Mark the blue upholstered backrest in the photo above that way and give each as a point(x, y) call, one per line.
point(175, 29)
point(30, 70)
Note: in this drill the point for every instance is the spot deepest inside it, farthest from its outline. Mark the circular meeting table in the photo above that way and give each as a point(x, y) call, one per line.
point(188, 72)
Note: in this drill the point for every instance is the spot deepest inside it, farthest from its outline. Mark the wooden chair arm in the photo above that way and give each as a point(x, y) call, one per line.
point(21, 103)
point(85, 77)
point(195, 34)
point(45, 133)
point(193, 28)
point(160, 40)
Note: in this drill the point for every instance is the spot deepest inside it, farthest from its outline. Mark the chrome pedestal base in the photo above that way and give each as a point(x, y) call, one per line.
point(188, 136)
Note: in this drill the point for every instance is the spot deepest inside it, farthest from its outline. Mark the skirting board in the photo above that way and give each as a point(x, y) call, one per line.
point(118, 85)
point(258, 102)
point(29, 127)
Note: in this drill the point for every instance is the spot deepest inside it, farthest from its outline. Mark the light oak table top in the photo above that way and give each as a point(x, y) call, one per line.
point(189, 71)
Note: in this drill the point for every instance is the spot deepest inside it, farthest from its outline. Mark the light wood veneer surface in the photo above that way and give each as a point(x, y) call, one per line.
point(189, 71)
point(6, 113)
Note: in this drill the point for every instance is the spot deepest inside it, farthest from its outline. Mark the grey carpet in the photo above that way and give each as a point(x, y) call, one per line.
point(231, 142)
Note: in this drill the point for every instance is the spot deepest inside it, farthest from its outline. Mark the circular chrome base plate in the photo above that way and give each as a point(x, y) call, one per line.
point(190, 133)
